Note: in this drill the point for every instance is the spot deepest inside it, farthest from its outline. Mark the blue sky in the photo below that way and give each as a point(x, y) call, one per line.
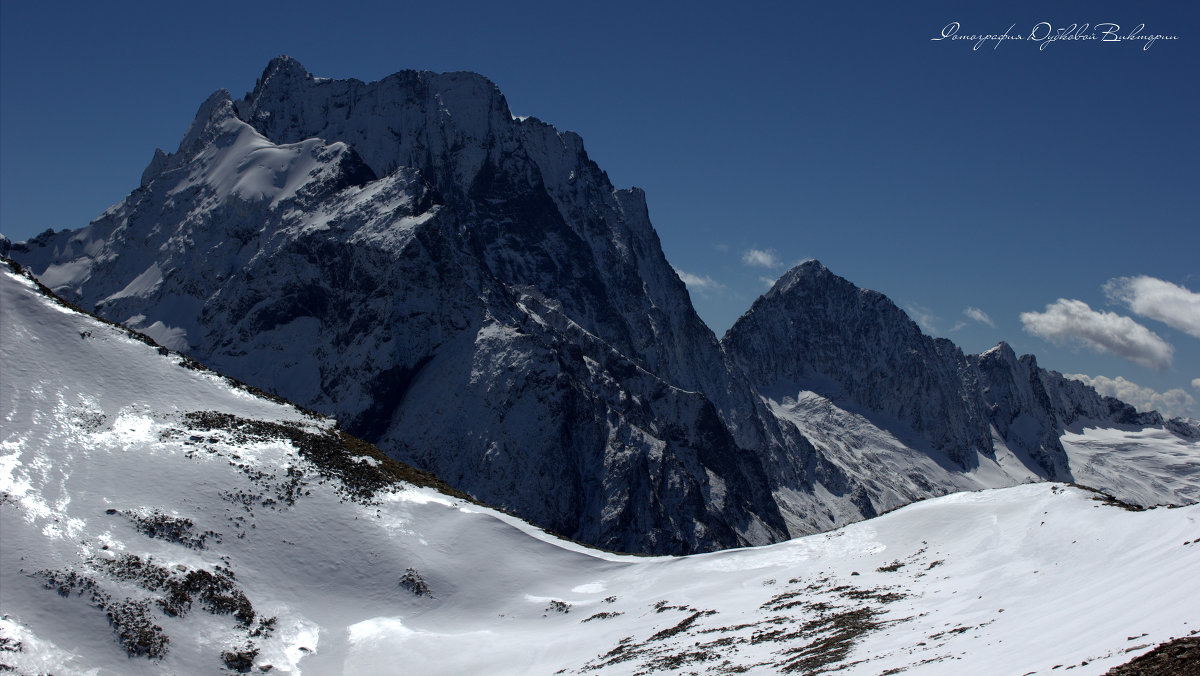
point(998, 179)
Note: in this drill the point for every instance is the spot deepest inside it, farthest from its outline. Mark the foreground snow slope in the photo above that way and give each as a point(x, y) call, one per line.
point(160, 519)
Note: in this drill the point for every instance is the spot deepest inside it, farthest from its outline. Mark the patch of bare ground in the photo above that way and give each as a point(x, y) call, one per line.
point(832, 638)
point(1180, 657)
point(1105, 498)
point(174, 591)
point(335, 454)
point(601, 616)
point(811, 628)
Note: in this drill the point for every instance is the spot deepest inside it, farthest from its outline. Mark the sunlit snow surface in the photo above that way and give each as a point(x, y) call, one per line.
point(1018, 580)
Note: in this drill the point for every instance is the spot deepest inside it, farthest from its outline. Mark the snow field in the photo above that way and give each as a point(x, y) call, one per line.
point(1015, 580)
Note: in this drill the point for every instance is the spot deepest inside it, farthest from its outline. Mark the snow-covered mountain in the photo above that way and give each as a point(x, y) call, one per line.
point(469, 291)
point(464, 288)
point(160, 518)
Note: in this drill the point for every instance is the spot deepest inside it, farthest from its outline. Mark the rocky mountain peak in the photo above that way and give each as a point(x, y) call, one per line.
point(807, 270)
point(283, 68)
point(215, 110)
point(1002, 353)
point(465, 288)
point(817, 331)
point(807, 283)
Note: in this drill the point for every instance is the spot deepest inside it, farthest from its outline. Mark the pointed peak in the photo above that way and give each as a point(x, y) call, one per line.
point(808, 266)
point(282, 72)
point(1001, 346)
point(157, 163)
point(1002, 350)
point(215, 109)
point(212, 103)
point(286, 66)
point(806, 271)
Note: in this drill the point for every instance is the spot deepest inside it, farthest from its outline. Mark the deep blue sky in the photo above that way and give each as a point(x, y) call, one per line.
point(946, 177)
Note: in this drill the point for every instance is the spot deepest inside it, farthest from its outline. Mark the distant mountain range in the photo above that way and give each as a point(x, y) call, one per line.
point(468, 291)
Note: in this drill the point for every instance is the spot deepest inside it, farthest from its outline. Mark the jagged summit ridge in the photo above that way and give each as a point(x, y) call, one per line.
point(418, 119)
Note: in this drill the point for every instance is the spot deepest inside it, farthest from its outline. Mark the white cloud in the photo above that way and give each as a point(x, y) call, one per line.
point(1196, 383)
point(958, 326)
point(1172, 403)
point(699, 282)
point(924, 317)
point(1172, 305)
point(1073, 322)
point(768, 281)
point(979, 316)
point(763, 258)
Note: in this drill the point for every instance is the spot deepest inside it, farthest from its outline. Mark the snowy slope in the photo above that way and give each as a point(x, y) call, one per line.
point(1142, 465)
point(221, 530)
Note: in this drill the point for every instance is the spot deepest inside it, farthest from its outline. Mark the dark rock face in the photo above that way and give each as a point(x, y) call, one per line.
point(816, 328)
